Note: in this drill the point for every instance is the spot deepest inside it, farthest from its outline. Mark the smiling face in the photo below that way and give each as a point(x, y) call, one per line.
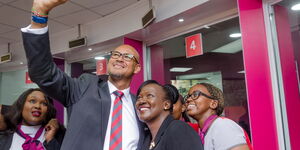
point(35, 109)
point(151, 103)
point(118, 68)
point(202, 105)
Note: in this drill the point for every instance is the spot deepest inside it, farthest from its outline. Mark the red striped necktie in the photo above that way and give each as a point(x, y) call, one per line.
point(115, 142)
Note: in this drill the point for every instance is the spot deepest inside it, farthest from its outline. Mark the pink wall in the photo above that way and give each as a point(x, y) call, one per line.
point(258, 78)
point(138, 79)
point(157, 64)
point(289, 75)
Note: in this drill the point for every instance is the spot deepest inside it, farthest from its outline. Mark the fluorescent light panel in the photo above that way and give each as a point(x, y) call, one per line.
point(99, 58)
point(179, 69)
point(296, 7)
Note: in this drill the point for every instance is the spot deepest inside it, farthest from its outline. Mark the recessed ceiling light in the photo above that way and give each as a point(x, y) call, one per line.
point(99, 58)
point(296, 7)
point(179, 69)
point(206, 27)
point(90, 49)
point(181, 20)
point(235, 35)
point(21, 63)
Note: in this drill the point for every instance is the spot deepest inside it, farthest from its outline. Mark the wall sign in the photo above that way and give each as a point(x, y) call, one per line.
point(101, 67)
point(193, 45)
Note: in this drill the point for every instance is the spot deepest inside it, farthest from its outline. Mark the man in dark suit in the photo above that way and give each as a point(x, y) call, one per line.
point(91, 99)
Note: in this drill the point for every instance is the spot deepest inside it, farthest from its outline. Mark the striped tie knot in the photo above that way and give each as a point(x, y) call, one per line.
point(118, 93)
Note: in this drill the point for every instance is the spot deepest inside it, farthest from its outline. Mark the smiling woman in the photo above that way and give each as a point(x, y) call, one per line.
point(31, 124)
point(154, 106)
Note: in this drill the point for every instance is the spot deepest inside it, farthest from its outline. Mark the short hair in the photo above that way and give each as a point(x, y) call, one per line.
point(172, 92)
point(15, 112)
point(166, 90)
point(216, 94)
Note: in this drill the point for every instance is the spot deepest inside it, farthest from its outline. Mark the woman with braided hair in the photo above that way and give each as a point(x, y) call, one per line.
point(205, 103)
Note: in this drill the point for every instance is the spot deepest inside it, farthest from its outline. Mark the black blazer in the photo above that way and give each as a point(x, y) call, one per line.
point(174, 135)
point(87, 96)
point(54, 144)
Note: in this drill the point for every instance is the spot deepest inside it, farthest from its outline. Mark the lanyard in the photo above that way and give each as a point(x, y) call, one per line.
point(206, 125)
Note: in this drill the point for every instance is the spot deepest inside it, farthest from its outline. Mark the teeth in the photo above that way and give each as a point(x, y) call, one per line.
point(191, 106)
point(36, 113)
point(143, 109)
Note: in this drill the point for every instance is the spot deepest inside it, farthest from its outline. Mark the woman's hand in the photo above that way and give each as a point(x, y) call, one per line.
point(51, 129)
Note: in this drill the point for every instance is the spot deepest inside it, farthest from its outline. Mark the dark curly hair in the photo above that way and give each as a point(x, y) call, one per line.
point(169, 93)
point(216, 94)
point(15, 113)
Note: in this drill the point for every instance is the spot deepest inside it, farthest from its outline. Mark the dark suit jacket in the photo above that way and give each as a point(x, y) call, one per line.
point(87, 96)
point(174, 135)
point(54, 144)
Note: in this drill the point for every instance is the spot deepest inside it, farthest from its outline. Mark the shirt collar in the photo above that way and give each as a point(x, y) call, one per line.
point(30, 130)
point(126, 91)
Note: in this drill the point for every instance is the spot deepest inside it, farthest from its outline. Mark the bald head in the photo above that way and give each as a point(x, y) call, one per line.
point(130, 49)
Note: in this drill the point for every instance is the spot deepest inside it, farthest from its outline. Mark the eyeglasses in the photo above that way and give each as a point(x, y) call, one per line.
point(125, 56)
point(195, 95)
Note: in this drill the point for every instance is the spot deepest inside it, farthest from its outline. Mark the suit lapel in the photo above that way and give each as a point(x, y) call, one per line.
point(105, 101)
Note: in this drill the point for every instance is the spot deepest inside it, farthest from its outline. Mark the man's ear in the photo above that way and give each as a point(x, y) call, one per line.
point(137, 68)
point(213, 104)
point(167, 105)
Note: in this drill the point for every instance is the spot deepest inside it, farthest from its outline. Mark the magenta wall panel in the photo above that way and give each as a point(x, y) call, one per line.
point(157, 64)
point(138, 79)
point(289, 74)
point(258, 78)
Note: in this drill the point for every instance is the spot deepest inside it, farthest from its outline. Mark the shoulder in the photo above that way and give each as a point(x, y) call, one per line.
point(180, 127)
point(223, 122)
point(225, 133)
point(89, 78)
point(182, 136)
point(86, 76)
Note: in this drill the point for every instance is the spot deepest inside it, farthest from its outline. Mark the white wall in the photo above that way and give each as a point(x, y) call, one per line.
point(12, 84)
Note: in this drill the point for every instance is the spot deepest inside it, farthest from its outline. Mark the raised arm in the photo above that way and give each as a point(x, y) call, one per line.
point(41, 68)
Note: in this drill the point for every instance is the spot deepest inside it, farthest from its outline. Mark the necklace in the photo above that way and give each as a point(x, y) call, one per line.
point(152, 145)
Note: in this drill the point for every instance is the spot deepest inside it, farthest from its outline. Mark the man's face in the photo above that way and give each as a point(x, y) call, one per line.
point(119, 68)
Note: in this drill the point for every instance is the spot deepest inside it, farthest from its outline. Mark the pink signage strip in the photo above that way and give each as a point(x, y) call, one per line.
point(258, 78)
point(289, 75)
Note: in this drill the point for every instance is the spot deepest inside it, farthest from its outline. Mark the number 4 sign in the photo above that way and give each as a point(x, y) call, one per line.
point(193, 45)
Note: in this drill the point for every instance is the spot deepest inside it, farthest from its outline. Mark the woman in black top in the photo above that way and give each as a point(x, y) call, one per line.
point(154, 106)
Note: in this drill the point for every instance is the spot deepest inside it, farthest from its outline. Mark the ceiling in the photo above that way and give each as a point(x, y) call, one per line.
point(15, 14)
point(216, 37)
point(213, 37)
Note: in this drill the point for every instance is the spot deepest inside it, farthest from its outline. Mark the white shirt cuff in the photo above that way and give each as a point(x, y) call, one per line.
point(34, 31)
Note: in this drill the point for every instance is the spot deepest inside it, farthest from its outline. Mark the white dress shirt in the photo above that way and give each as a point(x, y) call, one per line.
point(130, 131)
point(17, 140)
